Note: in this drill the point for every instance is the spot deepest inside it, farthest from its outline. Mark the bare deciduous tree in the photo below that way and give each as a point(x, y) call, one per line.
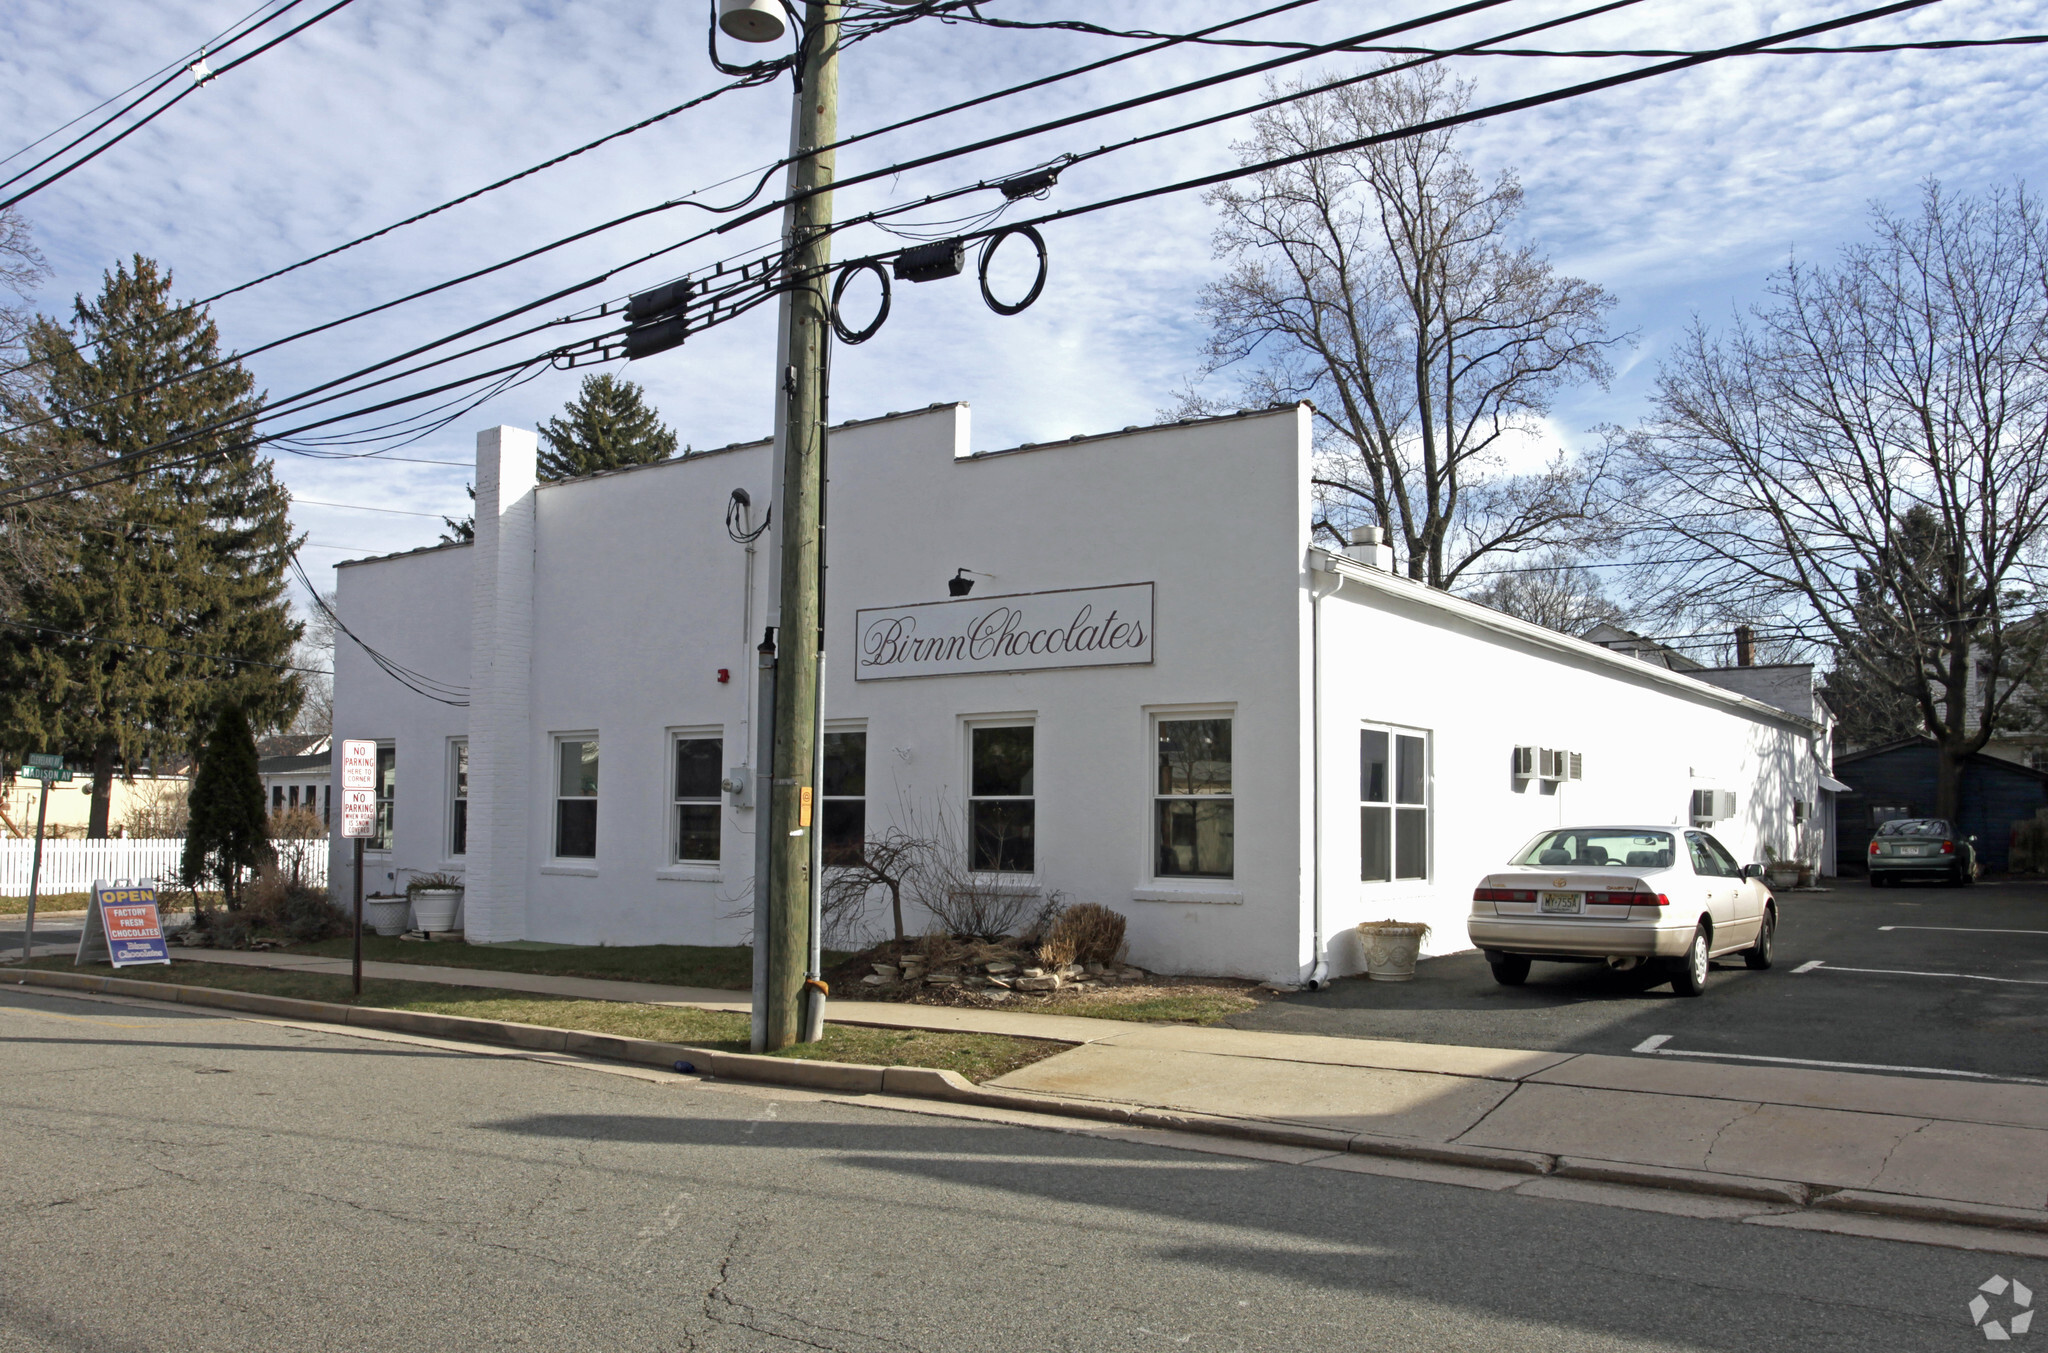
point(1867, 457)
point(1553, 591)
point(1381, 284)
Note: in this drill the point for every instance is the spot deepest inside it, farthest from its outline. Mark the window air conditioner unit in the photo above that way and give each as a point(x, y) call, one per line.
point(1578, 766)
point(1525, 762)
point(1712, 805)
point(1550, 764)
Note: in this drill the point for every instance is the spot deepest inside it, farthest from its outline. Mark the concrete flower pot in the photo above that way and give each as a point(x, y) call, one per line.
point(434, 909)
point(1782, 873)
point(386, 915)
point(1391, 948)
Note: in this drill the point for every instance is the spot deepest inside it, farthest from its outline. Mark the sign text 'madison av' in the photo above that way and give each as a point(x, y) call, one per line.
point(1078, 627)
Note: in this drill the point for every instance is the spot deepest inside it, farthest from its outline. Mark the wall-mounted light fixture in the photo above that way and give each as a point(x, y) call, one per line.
point(960, 584)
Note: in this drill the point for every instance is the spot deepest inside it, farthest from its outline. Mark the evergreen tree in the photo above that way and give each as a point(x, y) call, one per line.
point(226, 831)
point(607, 425)
point(171, 598)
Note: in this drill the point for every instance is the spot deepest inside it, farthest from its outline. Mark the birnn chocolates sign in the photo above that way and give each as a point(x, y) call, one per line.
point(1033, 631)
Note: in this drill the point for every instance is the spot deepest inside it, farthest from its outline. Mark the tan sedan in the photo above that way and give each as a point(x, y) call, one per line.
point(1628, 896)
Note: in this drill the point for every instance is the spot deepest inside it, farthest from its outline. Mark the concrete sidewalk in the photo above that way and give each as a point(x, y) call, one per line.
point(1936, 1150)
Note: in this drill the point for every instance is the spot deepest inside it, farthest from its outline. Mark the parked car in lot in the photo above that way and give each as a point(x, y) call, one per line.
point(1921, 845)
point(1627, 896)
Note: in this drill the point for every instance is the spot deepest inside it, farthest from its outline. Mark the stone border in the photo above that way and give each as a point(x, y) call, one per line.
point(927, 1083)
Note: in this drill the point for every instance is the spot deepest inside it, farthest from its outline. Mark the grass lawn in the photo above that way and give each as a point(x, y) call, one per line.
point(976, 1056)
point(1176, 1005)
point(729, 968)
point(18, 906)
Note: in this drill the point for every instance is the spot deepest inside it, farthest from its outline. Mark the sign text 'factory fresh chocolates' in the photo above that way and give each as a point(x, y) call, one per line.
point(1032, 631)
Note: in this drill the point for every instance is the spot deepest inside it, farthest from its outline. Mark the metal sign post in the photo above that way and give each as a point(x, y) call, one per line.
point(358, 820)
point(44, 766)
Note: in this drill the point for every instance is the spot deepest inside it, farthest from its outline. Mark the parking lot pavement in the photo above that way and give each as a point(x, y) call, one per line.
point(1948, 979)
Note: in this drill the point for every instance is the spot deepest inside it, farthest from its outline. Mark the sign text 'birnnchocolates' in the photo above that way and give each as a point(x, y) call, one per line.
point(1033, 631)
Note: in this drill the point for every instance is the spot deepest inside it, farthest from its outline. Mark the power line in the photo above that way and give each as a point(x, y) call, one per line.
point(365, 507)
point(1206, 180)
point(175, 64)
point(765, 172)
point(419, 683)
point(140, 123)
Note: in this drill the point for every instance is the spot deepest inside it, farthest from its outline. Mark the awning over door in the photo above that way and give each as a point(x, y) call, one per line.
point(1831, 783)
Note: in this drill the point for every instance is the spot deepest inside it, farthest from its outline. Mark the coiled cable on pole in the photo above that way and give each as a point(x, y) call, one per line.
point(846, 275)
point(988, 252)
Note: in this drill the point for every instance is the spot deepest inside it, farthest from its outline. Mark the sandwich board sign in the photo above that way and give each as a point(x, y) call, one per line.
point(358, 788)
point(122, 926)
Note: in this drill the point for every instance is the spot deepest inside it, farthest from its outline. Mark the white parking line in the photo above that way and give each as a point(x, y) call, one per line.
point(1908, 972)
point(1654, 1046)
point(1963, 929)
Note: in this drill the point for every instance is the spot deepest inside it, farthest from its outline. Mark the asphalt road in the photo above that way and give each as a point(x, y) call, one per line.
point(1911, 997)
point(179, 1181)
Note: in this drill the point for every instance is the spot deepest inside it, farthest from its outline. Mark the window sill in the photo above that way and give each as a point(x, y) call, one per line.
point(685, 873)
point(1213, 896)
point(1014, 885)
point(585, 871)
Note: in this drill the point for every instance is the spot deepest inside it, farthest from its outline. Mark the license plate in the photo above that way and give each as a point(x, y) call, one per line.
point(1560, 903)
point(1919, 850)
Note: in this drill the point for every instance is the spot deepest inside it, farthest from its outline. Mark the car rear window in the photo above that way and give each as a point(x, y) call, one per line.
point(1598, 848)
point(1915, 826)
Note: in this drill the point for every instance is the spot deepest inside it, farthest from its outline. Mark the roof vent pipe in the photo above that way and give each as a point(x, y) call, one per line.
point(1745, 646)
point(1368, 545)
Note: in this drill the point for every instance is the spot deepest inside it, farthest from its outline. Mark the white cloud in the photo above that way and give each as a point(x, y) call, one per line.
point(1678, 194)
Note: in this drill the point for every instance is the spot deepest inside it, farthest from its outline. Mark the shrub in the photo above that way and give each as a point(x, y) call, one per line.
point(420, 883)
point(279, 902)
point(1084, 934)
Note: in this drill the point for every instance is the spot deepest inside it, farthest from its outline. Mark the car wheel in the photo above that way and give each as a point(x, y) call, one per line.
point(1510, 970)
point(1758, 955)
point(1690, 979)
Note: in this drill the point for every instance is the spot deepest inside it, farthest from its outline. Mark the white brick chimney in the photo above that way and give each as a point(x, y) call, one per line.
point(500, 687)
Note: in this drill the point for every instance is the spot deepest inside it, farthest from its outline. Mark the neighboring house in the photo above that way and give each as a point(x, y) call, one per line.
point(70, 811)
point(299, 782)
point(1642, 650)
point(1158, 696)
point(1897, 780)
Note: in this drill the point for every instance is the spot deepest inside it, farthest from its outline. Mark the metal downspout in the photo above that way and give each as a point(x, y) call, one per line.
point(1319, 974)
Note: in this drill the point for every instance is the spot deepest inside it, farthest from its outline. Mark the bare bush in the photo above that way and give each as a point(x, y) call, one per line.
point(297, 835)
point(158, 811)
point(1087, 933)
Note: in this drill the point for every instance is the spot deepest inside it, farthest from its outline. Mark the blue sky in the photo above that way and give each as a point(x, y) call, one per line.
point(1679, 195)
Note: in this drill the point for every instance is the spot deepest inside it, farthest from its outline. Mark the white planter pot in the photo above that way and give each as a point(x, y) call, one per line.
point(1782, 875)
point(434, 909)
point(386, 915)
point(1391, 950)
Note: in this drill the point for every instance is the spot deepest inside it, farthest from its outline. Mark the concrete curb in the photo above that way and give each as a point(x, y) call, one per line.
point(928, 1083)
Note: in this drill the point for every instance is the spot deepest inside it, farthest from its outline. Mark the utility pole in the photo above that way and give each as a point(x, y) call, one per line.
point(794, 813)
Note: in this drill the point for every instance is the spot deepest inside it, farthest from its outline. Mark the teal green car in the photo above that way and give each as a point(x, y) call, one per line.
point(1919, 847)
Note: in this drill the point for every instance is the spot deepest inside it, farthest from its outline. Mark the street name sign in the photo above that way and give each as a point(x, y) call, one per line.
point(47, 760)
point(53, 773)
point(122, 927)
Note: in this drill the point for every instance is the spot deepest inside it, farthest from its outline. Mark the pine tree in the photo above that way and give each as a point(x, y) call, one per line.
point(226, 831)
point(606, 426)
point(171, 600)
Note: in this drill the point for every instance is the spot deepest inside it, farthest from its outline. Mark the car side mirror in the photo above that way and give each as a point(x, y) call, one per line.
point(1752, 871)
point(1973, 840)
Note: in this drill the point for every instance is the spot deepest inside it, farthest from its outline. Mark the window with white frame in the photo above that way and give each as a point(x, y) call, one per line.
point(1002, 807)
point(576, 798)
point(1194, 827)
point(699, 810)
point(458, 797)
point(845, 794)
point(1393, 814)
point(387, 796)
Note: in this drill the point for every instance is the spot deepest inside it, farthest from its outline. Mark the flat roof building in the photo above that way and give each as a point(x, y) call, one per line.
point(1159, 695)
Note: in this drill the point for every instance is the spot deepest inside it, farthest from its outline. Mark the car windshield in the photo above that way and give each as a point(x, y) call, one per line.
point(1915, 826)
point(1598, 848)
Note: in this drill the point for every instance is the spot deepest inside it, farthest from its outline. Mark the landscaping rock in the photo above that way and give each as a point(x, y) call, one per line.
point(876, 980)
point(1036, 983)
point(1001, 968)
point(887, 972)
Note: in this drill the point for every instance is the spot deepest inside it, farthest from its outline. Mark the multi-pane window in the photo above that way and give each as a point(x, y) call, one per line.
point(387, 796)
point(1001, 809)
point(845, 794)
point(1393, 814)
point(698, 807)
point(1194, 824)
point(576, 799)
point(458, 798)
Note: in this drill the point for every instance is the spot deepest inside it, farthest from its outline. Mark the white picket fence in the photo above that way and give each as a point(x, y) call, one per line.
point(71, 866)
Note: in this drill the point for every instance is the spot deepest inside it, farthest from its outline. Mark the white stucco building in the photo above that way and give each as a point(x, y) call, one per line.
point(1159, 696)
